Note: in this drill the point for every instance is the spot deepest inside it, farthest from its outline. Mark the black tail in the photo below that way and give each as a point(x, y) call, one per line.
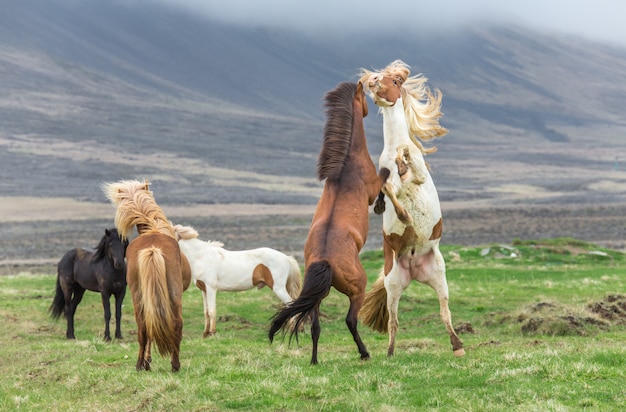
point(317, 281)
point(57, 308)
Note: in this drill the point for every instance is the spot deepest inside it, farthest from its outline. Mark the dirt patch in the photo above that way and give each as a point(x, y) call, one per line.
point(554, 319)
point(464, 327)
point(612, 309)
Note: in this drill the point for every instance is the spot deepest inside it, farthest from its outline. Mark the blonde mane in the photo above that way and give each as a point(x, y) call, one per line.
point(214, 243)
point(185, 232)
point(422, 107)
point(136, 207)
point(188, 232)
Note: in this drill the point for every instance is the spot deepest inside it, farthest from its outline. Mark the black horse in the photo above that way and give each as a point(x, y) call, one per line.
point(103, 270)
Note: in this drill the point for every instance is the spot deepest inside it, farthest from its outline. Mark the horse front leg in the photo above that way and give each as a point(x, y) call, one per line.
point(210, 312)
point(389, 190)
point(106, 304)
point(119, 298)
point(356, 301)
point(379, 206)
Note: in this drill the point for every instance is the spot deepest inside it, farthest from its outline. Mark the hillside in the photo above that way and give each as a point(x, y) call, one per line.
point(96, 91)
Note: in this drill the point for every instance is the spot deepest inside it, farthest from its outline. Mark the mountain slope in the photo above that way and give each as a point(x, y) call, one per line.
point(95, 91)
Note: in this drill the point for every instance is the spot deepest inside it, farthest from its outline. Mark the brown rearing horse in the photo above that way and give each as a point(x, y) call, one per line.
point(157, 272)
point(340, 223)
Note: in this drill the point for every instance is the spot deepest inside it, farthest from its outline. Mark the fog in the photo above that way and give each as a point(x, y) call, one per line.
point(600, 20)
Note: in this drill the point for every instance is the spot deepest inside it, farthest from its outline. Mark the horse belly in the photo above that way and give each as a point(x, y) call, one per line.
point(233, 277)
point(422, 204)
point(234, 285)
point(87, 274)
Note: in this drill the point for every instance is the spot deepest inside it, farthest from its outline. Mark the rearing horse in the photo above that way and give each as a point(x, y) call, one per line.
point(157, 271)
point(412, 221)
point(340, 223)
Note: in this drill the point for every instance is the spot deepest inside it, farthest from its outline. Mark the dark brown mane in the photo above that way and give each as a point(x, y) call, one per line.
point(337, 132)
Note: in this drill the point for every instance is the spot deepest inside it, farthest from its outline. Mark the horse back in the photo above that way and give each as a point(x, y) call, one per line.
point(174, 259)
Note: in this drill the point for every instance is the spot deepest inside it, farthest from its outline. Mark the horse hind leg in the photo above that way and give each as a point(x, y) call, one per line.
point(70, 309)
point(178, 333)
point(144, 357)
point(119, 298)
point(438, 282)
point(352, 320)
point(106, 304)
point(394, 292)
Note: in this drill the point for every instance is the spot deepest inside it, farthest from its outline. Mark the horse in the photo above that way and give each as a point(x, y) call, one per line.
point(412, 219)
point(101, 270)
point(157, 274)
point(340, 223)
point(214, 268)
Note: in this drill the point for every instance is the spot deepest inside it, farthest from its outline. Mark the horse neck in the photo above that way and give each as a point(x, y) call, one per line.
point(395, 126)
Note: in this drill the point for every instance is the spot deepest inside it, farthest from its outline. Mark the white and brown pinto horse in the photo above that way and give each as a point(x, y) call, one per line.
point(214, 268)
point(412, 221)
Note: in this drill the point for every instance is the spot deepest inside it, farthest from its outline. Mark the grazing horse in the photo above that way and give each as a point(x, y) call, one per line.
point(412, 221)
point(214, 268)
point(157, 274)
point(340, 223)
point(102, 270)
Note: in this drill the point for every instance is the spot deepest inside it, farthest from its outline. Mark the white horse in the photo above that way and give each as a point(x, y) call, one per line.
point(412, 221)
point(214, 268)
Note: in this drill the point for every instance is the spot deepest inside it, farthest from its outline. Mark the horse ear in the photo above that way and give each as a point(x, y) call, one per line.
point(107, 232)
point(361, 96)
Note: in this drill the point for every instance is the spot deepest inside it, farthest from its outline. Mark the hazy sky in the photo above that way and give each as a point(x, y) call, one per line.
point(596, 19)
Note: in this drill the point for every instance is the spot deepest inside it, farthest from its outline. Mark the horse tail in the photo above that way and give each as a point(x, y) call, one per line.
point(156, 305)
point(57, 308)
point(317, 282)
point(294, 279)
point(374, 311)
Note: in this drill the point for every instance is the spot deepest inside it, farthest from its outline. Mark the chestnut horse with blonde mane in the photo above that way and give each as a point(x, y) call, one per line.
point(341, 220)
point(412, 220)
point(157, 272)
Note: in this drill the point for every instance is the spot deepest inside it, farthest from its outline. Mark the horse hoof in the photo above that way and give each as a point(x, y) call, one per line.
point(379, 207)
point(366, 357)
point(459, 352)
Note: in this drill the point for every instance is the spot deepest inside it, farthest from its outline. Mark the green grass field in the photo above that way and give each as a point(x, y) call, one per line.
point(532, 344)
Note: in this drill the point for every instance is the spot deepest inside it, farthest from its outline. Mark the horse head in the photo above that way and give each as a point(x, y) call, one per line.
point(116, 248)
point(385, 86)
point(422, 107)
